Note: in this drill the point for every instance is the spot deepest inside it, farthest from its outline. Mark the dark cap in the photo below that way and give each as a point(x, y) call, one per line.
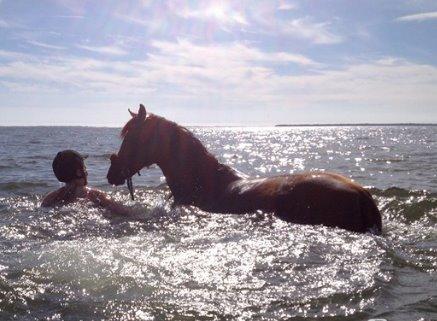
point(66, 164)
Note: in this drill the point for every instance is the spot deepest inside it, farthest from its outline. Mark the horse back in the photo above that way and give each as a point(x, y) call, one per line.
point(309, 198)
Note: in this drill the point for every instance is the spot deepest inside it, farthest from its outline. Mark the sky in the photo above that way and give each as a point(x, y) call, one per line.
point(80, 62)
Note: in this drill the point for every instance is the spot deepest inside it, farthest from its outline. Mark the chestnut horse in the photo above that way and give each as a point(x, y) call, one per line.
point(195, 177)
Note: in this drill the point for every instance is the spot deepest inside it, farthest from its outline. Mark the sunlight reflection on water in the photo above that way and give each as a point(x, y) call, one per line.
point(217, 264)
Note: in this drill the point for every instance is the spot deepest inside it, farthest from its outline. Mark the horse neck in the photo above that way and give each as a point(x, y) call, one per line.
point(194, 176)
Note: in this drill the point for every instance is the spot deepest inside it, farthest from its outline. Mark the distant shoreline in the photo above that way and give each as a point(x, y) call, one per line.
point(358, 124)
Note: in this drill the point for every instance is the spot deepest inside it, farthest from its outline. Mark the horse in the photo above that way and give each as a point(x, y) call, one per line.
point(195, 177)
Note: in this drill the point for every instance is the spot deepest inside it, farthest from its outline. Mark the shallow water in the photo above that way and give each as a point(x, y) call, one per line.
point(78, 262)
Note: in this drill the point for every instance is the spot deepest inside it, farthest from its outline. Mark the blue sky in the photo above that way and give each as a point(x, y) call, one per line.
point(82, 62)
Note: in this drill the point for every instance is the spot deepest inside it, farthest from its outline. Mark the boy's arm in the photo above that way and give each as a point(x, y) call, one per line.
point(101, 199)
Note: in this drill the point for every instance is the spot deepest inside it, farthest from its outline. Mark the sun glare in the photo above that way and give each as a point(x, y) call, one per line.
point(218, 11)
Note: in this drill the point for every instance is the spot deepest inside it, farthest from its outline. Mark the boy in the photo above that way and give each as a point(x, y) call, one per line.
point(69, 167)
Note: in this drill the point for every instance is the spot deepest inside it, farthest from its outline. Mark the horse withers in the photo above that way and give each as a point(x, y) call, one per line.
point(195, 177)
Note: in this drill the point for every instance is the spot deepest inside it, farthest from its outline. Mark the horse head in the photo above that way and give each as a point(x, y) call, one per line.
point(138, 149)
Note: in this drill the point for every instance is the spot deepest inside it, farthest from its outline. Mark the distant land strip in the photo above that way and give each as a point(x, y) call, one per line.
point(356, 124)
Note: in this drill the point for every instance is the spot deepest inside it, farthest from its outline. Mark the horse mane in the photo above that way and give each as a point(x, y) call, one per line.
point(127, 127)
point(183, 136)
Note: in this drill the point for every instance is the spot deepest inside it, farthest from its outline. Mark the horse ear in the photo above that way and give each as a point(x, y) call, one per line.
point(132, 113)
point(141, 112)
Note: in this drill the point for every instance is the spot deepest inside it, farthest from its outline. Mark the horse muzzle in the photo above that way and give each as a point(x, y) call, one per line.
point(117, 174)
point(115, 180)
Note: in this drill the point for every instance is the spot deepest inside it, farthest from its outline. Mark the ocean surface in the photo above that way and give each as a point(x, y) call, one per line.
point(79, 262)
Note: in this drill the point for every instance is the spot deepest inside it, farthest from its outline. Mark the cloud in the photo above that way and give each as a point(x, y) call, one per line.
point(76, 6)
point(284, 5)
point(247, 76)
point(44, 45)
point(105, 50)
point(153, 24)
point(68, 74)
point(185, 52)
point(219, 11)
point(13, 55)
point(3, 24)
point(132, 19)
point(70, 16)
point(234, 74)
point(317, 33)
point(182, 65)
point(386, 81)
point(419, 16)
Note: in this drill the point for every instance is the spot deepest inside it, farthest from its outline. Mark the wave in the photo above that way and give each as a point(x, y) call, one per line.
point(386, 160)
point(17, 186)
point(400, 192)
point(3, 166)
point(407, 206)
point(40, 157)
point(105, 156)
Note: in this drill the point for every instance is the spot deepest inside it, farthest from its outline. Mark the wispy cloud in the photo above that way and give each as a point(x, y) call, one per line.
point(105, 50)
point(284, 5)
point(219, 11)
point(132, 19)
point(75, 6)
point(45, 45)
point(419, 16)
point(185, 52)
point(317, 33)
point(152, 24)
point(3, 24)
point(69, 16)
point(12, 55)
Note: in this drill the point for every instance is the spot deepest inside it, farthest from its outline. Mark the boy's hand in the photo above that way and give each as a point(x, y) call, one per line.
point(97, 197)
point(101, 199)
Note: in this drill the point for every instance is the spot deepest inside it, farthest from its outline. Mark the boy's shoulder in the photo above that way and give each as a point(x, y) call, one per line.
point(53, 198)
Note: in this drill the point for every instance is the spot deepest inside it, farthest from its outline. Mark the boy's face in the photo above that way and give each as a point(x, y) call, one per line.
point(83, 174)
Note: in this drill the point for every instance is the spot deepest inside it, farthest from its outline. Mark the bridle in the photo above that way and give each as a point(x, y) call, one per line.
point(125, 173)
point(125, 169)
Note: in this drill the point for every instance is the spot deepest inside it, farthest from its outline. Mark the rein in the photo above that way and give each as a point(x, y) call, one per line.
point(130, 186)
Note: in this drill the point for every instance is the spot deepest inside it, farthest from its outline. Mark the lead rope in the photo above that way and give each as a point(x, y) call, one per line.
point(130, 187)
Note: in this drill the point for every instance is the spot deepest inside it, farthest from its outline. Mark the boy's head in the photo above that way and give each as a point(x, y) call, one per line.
point(68, 165)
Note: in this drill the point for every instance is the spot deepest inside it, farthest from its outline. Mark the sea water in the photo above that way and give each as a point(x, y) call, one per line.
point(79, 262)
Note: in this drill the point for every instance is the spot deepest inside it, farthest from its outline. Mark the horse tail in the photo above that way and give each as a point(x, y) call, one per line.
point(370, 214)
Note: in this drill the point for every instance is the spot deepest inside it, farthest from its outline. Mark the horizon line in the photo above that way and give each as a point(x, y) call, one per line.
point(248, 126)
